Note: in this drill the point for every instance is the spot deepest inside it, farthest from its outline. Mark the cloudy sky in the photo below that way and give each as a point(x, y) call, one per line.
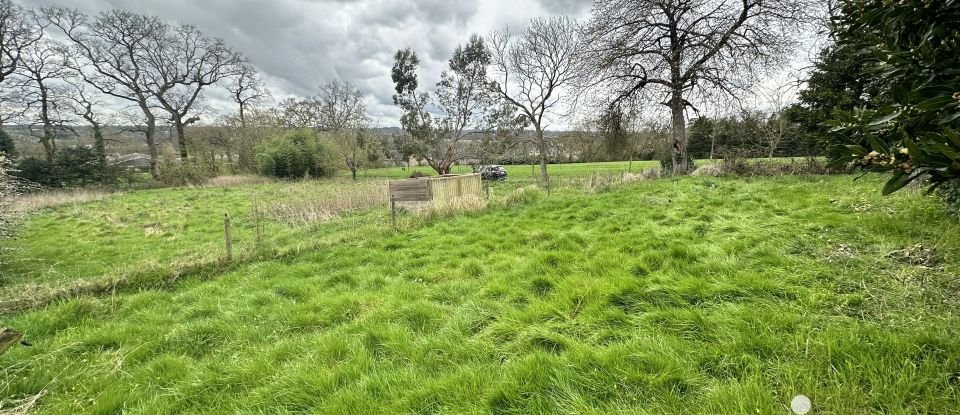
point(299, 44)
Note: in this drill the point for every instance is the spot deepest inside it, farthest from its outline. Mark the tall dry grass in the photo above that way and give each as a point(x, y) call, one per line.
point(237, 180)
point(305, 204)
point(32, 202)
point(453, 206)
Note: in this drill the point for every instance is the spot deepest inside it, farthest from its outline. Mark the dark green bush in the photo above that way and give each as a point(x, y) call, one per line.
point(913, 128)
point(296, 154)
point(73, 166)
point(7, 146)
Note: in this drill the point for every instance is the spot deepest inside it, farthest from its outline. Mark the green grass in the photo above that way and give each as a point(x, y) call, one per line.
point(526, 172)
point(694, 295)
point(145, 230)
point(518, 172)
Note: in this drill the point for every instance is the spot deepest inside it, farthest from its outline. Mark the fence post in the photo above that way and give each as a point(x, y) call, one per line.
point(393, 210)
point(593, 179)
point(486, 190)
point(258, 224)
point(621, 176)
point(227, 236)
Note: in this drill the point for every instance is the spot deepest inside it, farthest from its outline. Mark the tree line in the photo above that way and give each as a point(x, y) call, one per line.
point(629, 58)
point(62, 66)
point(636, 79)
point(498, 94)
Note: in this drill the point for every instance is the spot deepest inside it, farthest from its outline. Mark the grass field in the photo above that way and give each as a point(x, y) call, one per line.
point(696, 295)
point(527, 172)
point(520, 172)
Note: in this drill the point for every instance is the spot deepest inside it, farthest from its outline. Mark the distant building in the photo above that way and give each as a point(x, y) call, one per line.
point(135, 161)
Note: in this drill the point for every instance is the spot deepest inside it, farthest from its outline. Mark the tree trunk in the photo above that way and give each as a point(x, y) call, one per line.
point(542, 148)
point(353, 172)
point(679, 148)
point(150, 134)
point(99, 146)
point(713, 141)
point(49, 147)
point(440, 167)
point(244, 156)
point(243, 118)
point(181, 137)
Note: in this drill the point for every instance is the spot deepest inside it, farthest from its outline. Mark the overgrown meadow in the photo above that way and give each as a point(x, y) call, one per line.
point(691, 295)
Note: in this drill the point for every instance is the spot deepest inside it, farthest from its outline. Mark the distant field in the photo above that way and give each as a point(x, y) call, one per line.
point(694, 295)
point(526, 171)
point(517, 171)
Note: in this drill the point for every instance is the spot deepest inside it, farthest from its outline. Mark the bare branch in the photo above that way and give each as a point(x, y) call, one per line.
point(532, 70)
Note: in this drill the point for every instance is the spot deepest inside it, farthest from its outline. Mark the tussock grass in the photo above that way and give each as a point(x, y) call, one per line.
point(695, 295)
point(453, 207)
point(523, 195)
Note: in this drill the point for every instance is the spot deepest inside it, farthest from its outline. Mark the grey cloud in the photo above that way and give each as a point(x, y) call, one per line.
point(299, 44)
point(571, 7)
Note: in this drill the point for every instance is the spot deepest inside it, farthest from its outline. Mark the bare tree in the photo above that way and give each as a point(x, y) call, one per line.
point(682, 51)
point(112, 57)
point(11, 102)
point(185, 61)
point(247, 89)
point(777, 99)
point(19, 29)
point(299, 113)
point(43, 67)
point(343, 114)
point(340, 106)
point(358, 148)
point(584, 142)
point(257, 124)
point(84, 105)
point(616, 126)
point(530, 71)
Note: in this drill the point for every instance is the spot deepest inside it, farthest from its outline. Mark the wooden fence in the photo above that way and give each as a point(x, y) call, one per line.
point(436, 189)
point(447, 188)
